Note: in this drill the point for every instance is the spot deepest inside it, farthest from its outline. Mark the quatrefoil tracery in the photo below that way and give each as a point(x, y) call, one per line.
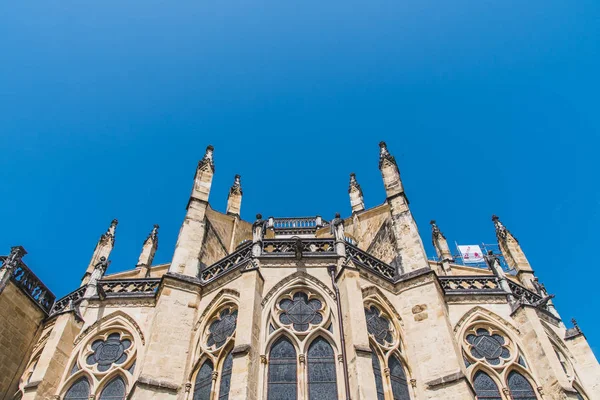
point(300, 311)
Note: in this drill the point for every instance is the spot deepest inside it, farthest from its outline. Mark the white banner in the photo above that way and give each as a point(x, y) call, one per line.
point(471, 254)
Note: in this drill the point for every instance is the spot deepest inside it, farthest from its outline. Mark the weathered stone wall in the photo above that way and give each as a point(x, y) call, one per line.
point(213, 248)
point(20, 321)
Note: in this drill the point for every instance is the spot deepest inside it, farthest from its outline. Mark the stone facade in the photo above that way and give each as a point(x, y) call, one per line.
point(295, 308)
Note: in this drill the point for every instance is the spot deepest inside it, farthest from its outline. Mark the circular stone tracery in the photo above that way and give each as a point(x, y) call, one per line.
point(378, 326)
point(491, 347)
point(300, 311)
point(222, 329)
point(108, 352)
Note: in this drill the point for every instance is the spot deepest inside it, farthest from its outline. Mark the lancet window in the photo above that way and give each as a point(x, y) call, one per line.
point(386, 354)
point(103, 364)
point(301, 357)
point(498, 366)
point(212, 379)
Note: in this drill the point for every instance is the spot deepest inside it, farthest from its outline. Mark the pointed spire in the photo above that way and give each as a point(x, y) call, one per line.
point(103, 249)
point(513, 254)
point(204, 176)
point(440, 244)
point(186, 258)
point(389, 172)
point(148, 250)
point(234, 200)
point(356, 195)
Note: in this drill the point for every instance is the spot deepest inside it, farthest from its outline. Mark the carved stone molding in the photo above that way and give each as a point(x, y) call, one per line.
point(168, 386)
point(374, 291)
point(114, 315)
point(215, 300)
point(301, 277)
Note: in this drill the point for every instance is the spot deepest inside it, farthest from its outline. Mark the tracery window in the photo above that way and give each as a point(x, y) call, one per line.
point(485, 387)
point(385, 347)
point(80, 390)
point(282, 371)
point(301, 363)
point(103, 364)
point(496, 361)
point(214, 372)
point(321, 371)
point(114, 390)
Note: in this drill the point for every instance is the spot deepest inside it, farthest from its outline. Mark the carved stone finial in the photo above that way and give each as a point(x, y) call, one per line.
point(153, 235)
point(384, 155)
point(236, 188)
point(501, 231)
point(110, 232)
point(207, 160)
point(575, 325)
point(354, 183)
point(435, 230)
point(15, 256)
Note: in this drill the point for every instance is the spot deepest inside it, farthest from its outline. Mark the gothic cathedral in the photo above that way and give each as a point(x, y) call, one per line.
point(293, 309)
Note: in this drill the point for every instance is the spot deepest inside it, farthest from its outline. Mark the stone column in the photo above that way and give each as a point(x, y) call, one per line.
point(411, 253)
point(103, 249)
point(356, 195)
point(148, 251)
point(246, 354)
point(53, 361)
point(360, 368)
point(186, 259)
point(234, 200)
point(432, 350)
point(163, 373)
point(586, 364)
point(540, 353)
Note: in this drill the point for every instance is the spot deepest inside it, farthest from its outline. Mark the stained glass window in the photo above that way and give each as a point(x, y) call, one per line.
point(108, 352)
point(221, 329)
point(520, 388)
point(321, 371)
point(80, 390)
point(398, 378)
point(490, 347)
point(115, 390)
point(485, 387)
point(226, 377)
point(378, 325)
point(300, 312)
point(377, 372)
point(282, 371)
point(203, 382)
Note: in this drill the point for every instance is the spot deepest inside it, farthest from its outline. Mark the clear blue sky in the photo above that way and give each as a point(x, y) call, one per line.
point(489, 107)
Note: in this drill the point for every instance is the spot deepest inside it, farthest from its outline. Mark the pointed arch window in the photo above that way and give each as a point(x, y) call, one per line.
point(282, 380)
point(520, 388)
point(322, 384)
point(377, 372)
point(485, 387)
point(203, 383)
point(115, 390)
point(226, 377)
point(80, 390)
point(398, 379)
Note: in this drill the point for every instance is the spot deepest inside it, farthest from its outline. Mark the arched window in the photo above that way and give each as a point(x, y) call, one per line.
point(282, 371)
point(115, 390)
point(519, 387)
point(377, 372)
point(80, 390)
point(485, 387)
point(398, 378)
point(226, 378)
point(321, 371)
point(203, 383)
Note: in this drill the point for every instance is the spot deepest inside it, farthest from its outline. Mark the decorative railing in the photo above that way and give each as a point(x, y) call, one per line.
point(226, 264)
point(371, 263)
point(521, 293)
point(72, 298)
point(306, 247)
point(128, 287)
point(32, 286)
point(297, 226)
point(471, 285)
